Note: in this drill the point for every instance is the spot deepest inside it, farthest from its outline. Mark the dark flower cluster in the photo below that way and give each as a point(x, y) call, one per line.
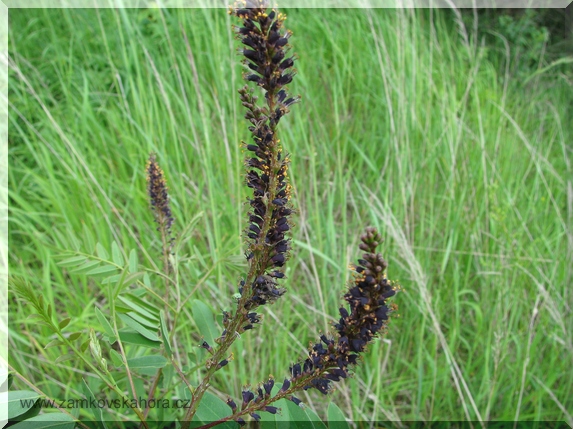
point(266, 46)
point(157, 191)
point(266, 50)
point(268, 245)
point(265, 290)
point(250, 399)
point(329, 360)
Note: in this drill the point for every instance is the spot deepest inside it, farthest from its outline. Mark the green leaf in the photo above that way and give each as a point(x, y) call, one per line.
point(101, 252)
point(128, 336)
point(129, 279)
point(317, 422)
point(105, 325)
point(84, 268)
point(73, 239)
point(88, 237)
point(54, 343)
point(336, 419)
point(297, 415)
point(291, 416)
point(133, 261)
point(19, 402)
point(104, 270)
point(133, 277)
point(96, 411)
point(273, 421)
point(205, 321)
point(64, 323)
point(146, 280)
point(74, 336)
point(137, 305)
point(64, 358)
point(138, 297)
point(84, 346)
point(164, 333)
point(145, 322)
point(34, 411)
point(47, 421)
point(211, 409)
point(139, 293)
point(139, 385)
point(155, 361)
point(167, 377)
point(33, 316)
point(72, 262)
point(116, 358)
point(282, 418)
point(116, 255)
point(111, 279)
point(138, 327)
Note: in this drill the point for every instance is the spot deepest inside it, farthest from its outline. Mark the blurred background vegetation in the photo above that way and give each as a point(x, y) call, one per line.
point(450, 131)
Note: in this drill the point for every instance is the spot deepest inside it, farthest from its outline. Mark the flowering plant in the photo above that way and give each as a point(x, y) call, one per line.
point(365, 315)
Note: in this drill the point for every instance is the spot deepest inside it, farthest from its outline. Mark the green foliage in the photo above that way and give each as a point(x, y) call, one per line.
point(522, 41)
point(336, 419)
point(523, 33)
point(97, 412)
point(47, 421)
point(406, 125)
point(212, 409)
point(203, 317)
point(21, 404)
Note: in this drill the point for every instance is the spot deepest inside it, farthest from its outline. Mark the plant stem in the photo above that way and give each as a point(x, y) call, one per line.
point(152, 392)
point(259, 406)
point(111, 384)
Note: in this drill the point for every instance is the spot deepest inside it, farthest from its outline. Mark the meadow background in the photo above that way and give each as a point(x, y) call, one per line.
point(453, 138)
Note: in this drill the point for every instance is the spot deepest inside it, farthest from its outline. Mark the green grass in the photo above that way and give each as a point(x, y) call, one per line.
point(405, 124)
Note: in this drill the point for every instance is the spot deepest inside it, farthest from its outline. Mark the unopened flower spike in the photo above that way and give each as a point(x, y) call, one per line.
point(159, 197)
